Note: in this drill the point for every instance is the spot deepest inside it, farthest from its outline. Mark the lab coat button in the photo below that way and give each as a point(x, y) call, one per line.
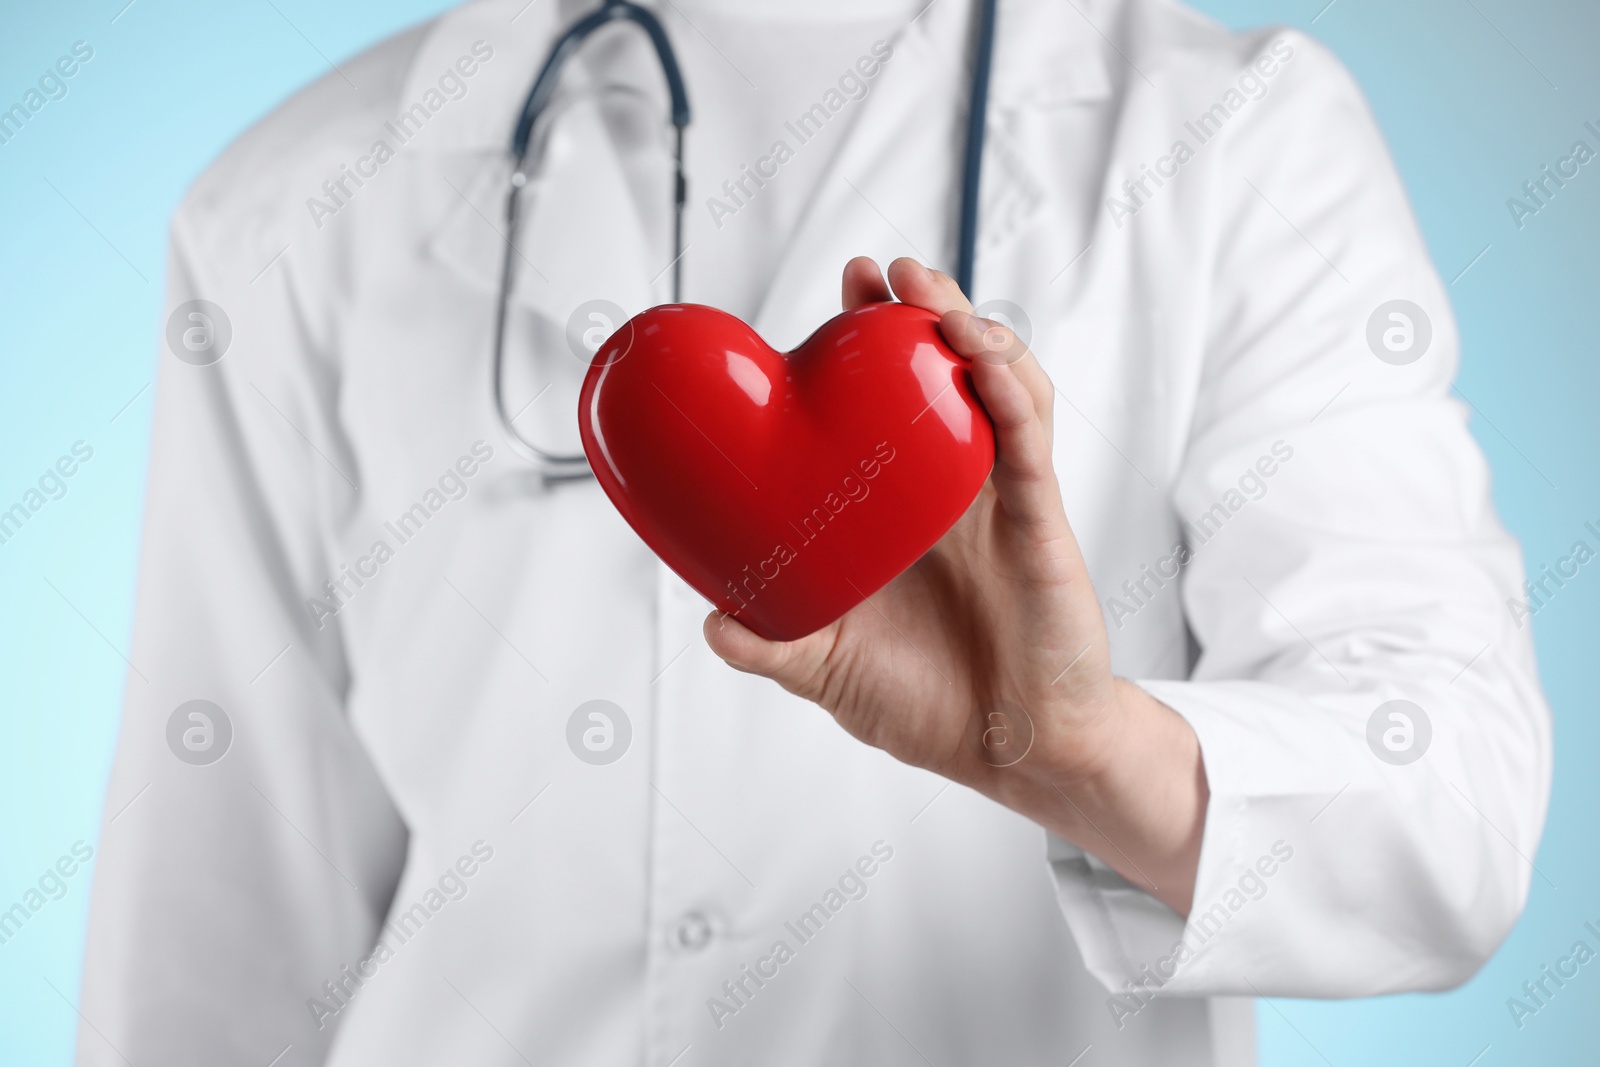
point(693, 932)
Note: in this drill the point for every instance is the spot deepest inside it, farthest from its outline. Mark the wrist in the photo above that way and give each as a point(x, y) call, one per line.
point(1133, 792)
point(1088, 748)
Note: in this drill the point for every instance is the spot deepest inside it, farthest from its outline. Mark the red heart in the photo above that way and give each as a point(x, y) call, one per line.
point(786, 488)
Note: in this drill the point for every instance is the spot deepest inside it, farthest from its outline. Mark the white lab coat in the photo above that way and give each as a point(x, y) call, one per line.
point(1219, 326)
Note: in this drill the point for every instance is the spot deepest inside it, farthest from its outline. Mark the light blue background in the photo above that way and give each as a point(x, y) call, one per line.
point(1474, 95)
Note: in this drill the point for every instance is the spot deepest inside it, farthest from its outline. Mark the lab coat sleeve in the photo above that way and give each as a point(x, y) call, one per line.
point(227, 894)
point(1342, 552)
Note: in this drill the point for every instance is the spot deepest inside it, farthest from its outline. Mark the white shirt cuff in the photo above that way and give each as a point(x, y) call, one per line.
point(1133, 943)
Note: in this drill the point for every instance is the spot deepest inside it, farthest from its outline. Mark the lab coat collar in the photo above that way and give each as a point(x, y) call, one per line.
point(519, 35)
point(1048, 54)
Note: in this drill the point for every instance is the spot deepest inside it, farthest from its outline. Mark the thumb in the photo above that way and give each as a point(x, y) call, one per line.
point(795, 665)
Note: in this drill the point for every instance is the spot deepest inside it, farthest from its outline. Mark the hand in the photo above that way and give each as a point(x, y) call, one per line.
point(987, 661)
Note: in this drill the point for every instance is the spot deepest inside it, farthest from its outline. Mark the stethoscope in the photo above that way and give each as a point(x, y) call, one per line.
point(557, 467)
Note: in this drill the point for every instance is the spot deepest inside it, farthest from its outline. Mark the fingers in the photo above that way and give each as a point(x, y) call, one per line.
point(792, 664)
point(913, 284)
point(863, 283)
point(991, 342)
point(1015, 389)
point(987, 341)
point(934, 290)
point(938, 292)
point(1019, 398)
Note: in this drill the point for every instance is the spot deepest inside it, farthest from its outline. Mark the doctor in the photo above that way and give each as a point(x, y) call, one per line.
point(427, 761)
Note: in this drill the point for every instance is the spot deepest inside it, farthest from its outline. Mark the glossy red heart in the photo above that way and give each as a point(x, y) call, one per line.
point(785, 487)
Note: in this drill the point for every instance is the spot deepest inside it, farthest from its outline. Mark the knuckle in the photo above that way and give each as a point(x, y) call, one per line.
point(997, 338)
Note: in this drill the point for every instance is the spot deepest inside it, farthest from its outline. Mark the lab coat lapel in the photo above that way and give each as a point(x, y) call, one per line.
point(884, 192)
point(581, 237)
point(1049, 63)
point(893, 187)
